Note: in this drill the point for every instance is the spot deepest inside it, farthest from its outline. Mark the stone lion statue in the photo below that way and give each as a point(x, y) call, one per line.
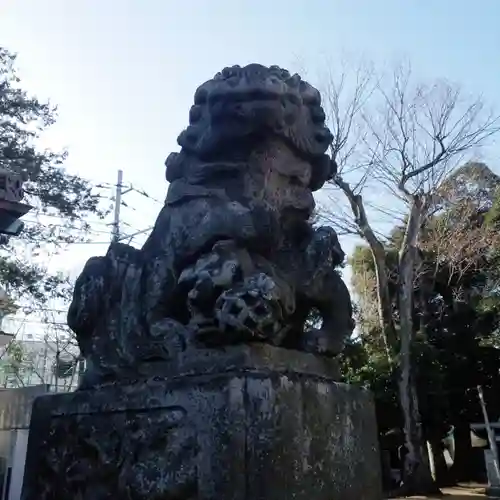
point(233, 256)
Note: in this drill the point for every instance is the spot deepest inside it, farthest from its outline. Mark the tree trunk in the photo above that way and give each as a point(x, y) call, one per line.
point(383, 297)
point(378, 254)
point(417, 478)
point(463, 464)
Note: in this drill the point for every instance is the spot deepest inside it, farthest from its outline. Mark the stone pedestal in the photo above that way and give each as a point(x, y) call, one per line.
point(248, 423)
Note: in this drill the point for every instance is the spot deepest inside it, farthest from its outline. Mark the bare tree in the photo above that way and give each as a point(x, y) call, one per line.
point(347, 96)
point(413, 136)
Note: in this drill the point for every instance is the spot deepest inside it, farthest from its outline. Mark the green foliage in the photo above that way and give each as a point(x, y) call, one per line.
point(492, 218)
point(15, 352)
point(365, 363)
point(13, 362)
point(48, 188)
point(363, 283)
point(364, 287)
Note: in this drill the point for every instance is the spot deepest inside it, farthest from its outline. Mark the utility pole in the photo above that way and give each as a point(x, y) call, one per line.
point(491, 434)
point(116, 235)
point(115, 231)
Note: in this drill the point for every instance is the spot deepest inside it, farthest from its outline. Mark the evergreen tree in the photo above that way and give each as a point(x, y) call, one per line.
point(54, 194)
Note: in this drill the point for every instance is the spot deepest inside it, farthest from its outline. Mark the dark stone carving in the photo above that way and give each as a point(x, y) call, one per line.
point(233, 257)
point(256, 425)
point(148, 454)
point(204, 378)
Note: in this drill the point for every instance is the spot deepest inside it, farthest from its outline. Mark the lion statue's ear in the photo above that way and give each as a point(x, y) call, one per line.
point(323, 170)
point(173, 165)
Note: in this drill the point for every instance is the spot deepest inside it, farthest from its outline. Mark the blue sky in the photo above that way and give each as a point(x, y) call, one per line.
point(124, 72)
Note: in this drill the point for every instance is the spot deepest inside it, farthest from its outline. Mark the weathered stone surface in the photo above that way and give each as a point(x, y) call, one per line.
point(205, 378)
point(255, 429)
point(233, 257)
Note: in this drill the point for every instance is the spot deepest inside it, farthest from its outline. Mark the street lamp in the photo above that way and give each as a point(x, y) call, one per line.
point(11, 208)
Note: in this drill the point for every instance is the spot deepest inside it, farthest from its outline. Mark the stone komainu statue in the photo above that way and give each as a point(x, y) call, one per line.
point(233, 256)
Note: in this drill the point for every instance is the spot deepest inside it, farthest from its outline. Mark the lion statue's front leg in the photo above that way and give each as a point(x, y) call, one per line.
point(234, 297)
point(323, 317)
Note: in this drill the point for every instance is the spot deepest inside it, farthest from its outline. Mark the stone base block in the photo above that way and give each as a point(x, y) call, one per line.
point(263, 425)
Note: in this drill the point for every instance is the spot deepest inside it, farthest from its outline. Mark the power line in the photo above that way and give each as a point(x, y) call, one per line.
point(37, 322)
point(118, 202)
point(124, 204)
point(56, 216)
point(66, 226)
point(146, 195)
point(88, 243)
point(31, 310)
point(136, 232)
point(103, 185)
point(94, 231)
point(130, 237)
